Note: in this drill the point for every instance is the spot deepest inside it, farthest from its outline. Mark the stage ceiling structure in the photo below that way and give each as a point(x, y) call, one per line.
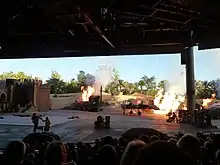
point(73, 28)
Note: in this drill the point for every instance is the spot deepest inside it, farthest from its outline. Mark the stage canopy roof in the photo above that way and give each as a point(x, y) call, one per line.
point(69, 28)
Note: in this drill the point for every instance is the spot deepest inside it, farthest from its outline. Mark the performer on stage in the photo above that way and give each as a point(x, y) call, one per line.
point(35, 121)
point(47, 124)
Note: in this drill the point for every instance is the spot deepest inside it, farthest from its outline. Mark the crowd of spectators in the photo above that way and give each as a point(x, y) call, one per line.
point(48, 149)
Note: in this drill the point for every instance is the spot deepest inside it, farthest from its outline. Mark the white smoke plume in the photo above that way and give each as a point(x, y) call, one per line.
point(102, 76)
point(104, 72)
point(177, 83)
point(90, 80)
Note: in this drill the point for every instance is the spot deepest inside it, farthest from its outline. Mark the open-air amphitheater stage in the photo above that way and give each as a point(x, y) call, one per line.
point(82, 128)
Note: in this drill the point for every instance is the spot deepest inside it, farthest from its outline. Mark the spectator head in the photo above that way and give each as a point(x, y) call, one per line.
point(160, 153)
point(154, 138)
point(28, 148)
point(144, 138)
point(190, 144)
point(97, 142)
point(217, 156)
point(121, 142)
point(31, 156)
point(75, 156)
point(106, 155)
point(14, 153)
point(208, 145)
point(115, 141)
point(108, 140)
point(79, 145)
point(172, 140)
point(29, 159)
point(56, 153)
point(131, 152)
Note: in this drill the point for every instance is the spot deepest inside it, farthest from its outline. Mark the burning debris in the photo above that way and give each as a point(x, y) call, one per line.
point(91, 95)
point(206, 103)
point(171, 101)
point(89, 87)
point(87, 92)
point(168, 101)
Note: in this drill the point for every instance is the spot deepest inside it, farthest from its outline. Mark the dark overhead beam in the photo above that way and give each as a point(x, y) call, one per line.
point(154, 12)
point(153, 49)
point(179, 8)
point(97, 30)
point(171, 12)
point(134, 30)
point(137, 50)
point(146, 16)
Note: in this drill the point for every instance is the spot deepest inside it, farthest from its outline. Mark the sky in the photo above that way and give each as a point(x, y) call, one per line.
point(131, 68)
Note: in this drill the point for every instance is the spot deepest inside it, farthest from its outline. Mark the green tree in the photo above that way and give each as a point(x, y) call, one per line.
point(115, 76)
point(81, 78)
point(141, 84)
point(11, 75)
point(72, 87)
point(22, 76)
point(163, 84)
point(146, 85)
point(56, 84)
point(129, 88)
point(114, 87)
point(150, 84)
point(204, 89)
point(7, 75)
point(121, 85)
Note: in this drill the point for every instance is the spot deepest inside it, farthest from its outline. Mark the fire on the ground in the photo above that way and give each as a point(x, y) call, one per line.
point(87, 91)
point(165, 101)
point(170, 102)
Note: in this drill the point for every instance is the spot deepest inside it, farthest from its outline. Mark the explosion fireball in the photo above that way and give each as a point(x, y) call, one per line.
point(167, 102)
point(207, 102)
point(87, 92)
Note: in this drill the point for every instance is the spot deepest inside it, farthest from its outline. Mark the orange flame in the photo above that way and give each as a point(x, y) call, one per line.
point(169, 102)
point(207, 102)
point(87, 92)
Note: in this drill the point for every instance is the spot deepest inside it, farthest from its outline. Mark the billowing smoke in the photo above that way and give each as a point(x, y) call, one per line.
point(102, 77)
point(177, 84)
point(90, 80)
point(104, 74)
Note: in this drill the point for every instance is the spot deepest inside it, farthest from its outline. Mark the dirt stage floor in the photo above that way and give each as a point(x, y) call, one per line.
point(73, 130)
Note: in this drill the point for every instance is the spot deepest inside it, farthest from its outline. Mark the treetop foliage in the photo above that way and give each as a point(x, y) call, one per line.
point(145, 85)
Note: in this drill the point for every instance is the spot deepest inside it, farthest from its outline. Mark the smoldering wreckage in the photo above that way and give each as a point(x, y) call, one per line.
point(174, 107)
point(164, 103)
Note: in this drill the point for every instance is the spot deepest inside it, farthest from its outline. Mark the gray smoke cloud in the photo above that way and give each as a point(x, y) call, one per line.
point(104, 72)
point(102, 76)
point(90, 80)
point(177, 82)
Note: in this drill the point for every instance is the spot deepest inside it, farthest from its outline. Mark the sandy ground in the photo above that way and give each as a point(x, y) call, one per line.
point(73, 130)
